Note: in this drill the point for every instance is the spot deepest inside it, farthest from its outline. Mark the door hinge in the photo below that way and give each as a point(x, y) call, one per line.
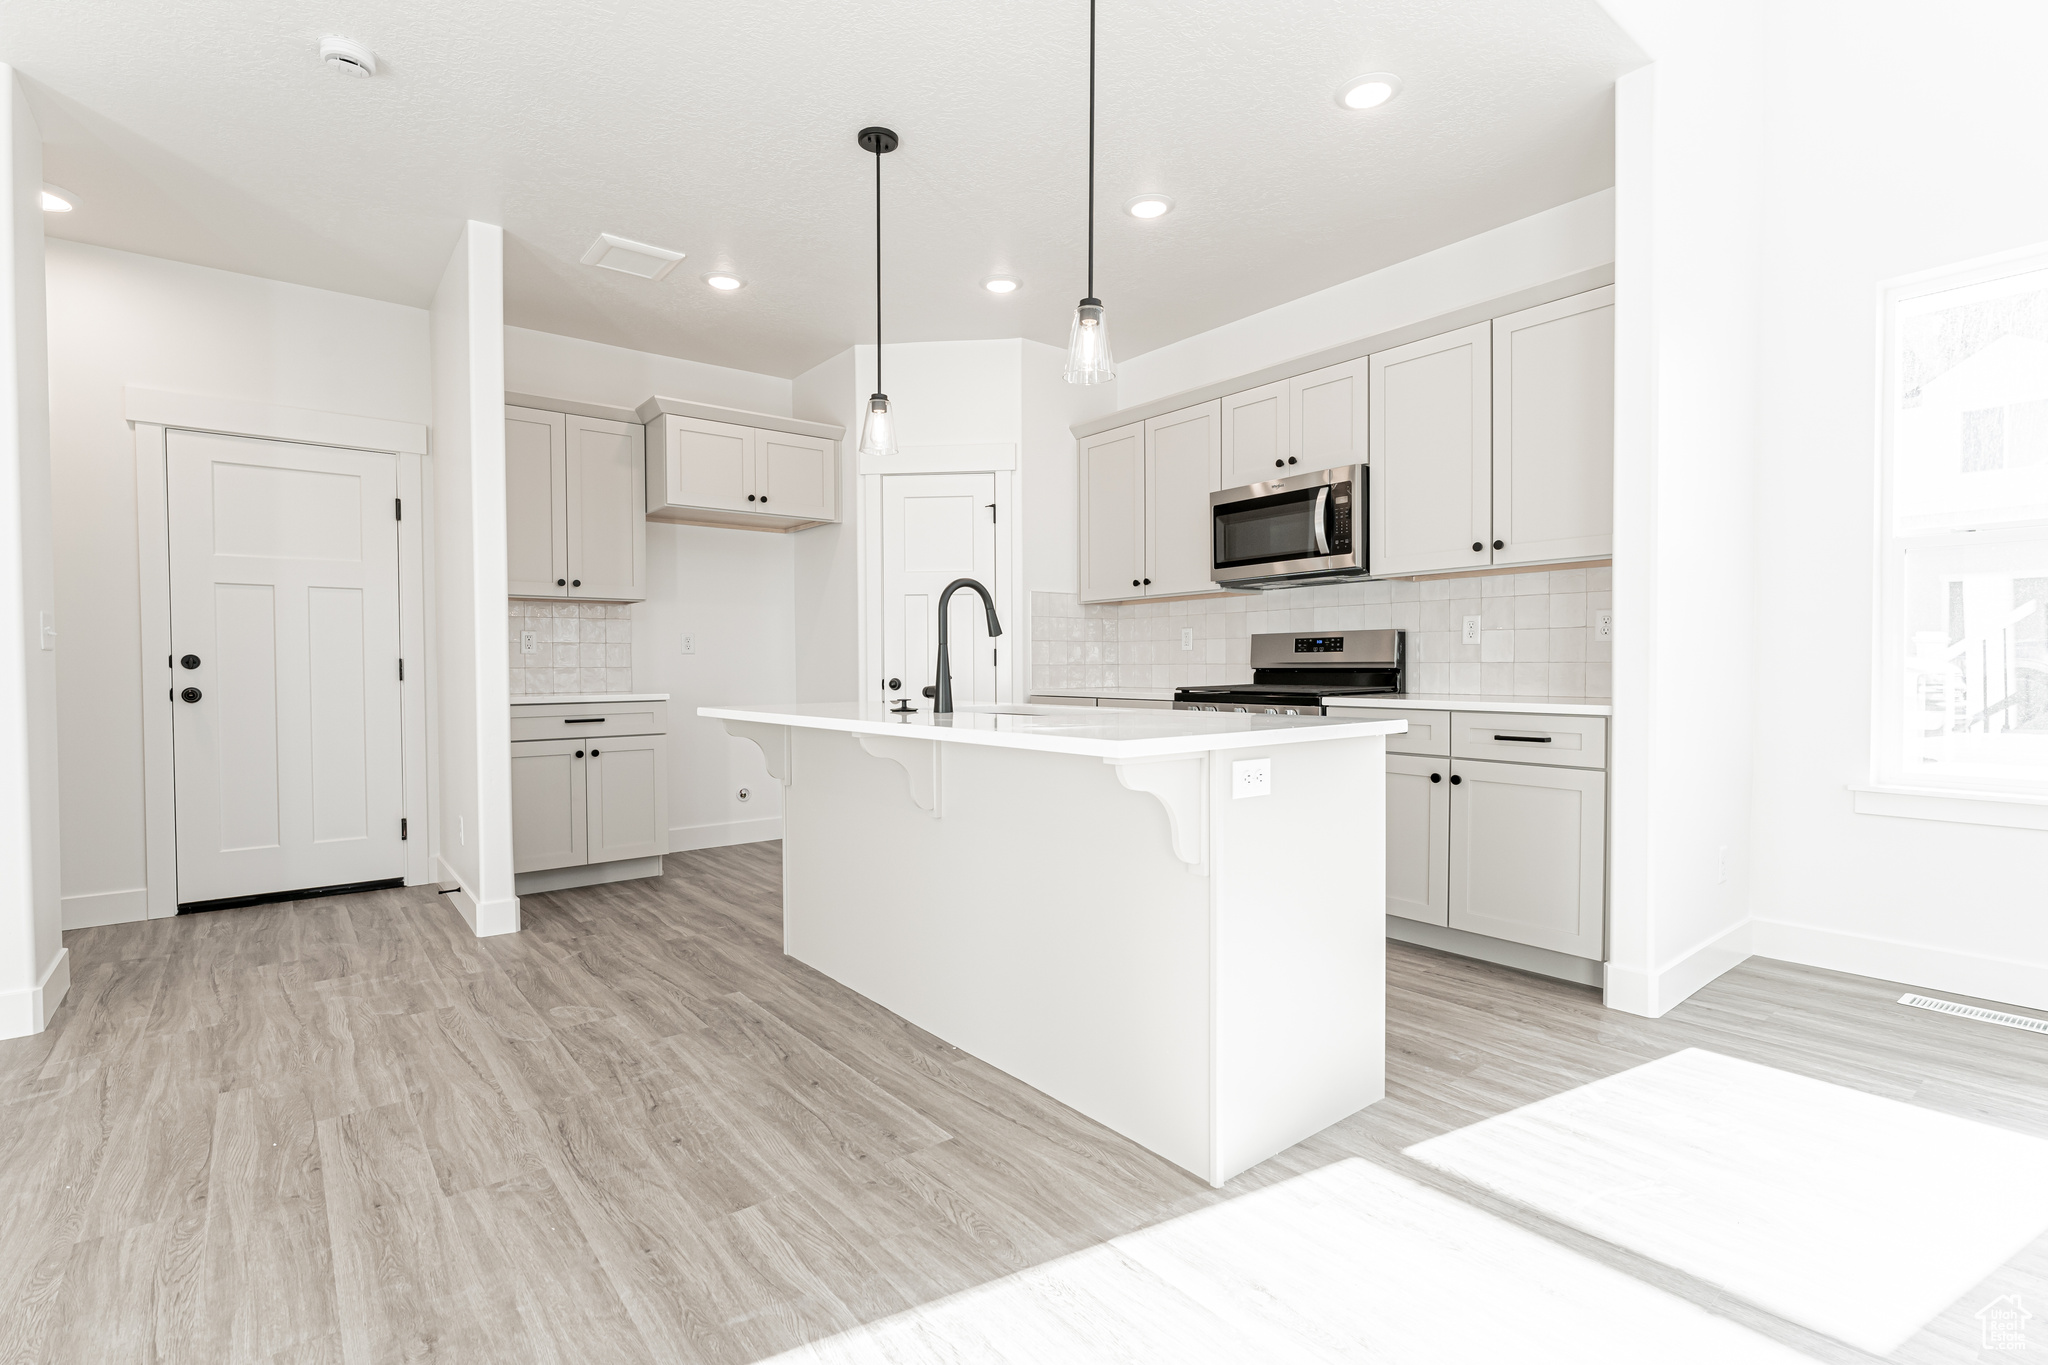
point(403, 833)
point(398, 509)
point(401, 670)
point(991, 512)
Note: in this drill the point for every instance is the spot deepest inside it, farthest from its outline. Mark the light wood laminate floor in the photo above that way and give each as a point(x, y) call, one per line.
point(346, 1130)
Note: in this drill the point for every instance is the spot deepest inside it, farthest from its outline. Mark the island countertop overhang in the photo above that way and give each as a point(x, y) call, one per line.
point(1097, 732)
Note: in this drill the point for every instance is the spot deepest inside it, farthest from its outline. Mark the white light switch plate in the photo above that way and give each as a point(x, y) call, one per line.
point(529, 642)
point(1472, 630)
point(689, 644)
point(1603, 625)
point(1251, 777)
point(1187, 637)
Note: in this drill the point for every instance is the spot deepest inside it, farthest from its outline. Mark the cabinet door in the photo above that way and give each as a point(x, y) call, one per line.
point(1553, 430)
point(628, 797)
point(1112, 527)
point(1431, 461)
point(548, 824)
point(536, 508)
point(1419, 838)
point(1183, 459)
point(607, 509)
point(1326, 414)
point(1529, 854)
point(794, 476)
point(705, 464)
point(1255, 440)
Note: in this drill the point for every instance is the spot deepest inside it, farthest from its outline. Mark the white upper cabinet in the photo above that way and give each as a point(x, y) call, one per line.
point(1113, 514)
point(1553, 430)
point(705, 464)
point(1183, 451)
point(575, 519)
point(1431, 440)
point(714, 473)
point(1326, 417)
point(793, 475)
point(1255, 439)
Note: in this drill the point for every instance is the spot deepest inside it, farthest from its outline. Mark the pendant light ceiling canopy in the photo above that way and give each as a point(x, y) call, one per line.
point(878, 431)
point(1088, 356)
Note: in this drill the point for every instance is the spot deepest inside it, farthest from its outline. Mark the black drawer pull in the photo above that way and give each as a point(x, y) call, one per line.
point(585, 720)
point(1524, 739)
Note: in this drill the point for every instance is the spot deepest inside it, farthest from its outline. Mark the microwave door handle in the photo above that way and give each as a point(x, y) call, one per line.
point(1321, 515)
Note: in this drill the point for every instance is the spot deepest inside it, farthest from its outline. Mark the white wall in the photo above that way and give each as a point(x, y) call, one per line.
point(118, 319)
point(1862, 188)
point(1051, 465)
point(34, 970)
point(473, 727)
point(828, 576)
point(733, 592)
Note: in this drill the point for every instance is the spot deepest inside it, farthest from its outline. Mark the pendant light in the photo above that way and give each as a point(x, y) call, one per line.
point(1088, 357)
point(878, 432)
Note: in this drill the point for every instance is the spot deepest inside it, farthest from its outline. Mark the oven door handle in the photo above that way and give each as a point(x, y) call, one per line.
point(1321, 516)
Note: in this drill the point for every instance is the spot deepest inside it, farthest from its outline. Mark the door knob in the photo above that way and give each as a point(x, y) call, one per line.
point(189, 661)
point(191, 694)
point(895, 684)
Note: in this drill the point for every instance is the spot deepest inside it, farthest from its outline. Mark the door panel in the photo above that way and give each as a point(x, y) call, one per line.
point(1183, 453)
point(550, 827)
point(1418, 838)
point(1529, 855)
point(627, 803)
point(607, 514)
point(1553, 430)
point(284, 586)
point(710, 464)
point(1113, 514)
point(1431, 465)
point(936, 528)
point(1327, 415)
point(1255, 436)
point(793, 474)
point(536, 517)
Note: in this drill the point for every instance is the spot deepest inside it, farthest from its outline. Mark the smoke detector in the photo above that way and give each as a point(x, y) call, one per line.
point(348, 55)
point(634, 258)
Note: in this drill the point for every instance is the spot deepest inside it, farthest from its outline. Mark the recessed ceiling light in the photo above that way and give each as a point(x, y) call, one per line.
point(1149, 206)
point(348, 56)
point(58, 201)
point(1369, 91)
point(999, 284)
point(722, 281)
point(634, 258)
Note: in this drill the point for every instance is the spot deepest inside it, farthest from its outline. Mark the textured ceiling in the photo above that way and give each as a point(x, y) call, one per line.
point(207, 131)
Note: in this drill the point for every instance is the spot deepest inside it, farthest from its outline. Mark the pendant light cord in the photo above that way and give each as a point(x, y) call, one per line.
point(1091, 148)
point(878, 267)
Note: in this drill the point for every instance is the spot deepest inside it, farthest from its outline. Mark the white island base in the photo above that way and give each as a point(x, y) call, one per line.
point(1078, 900)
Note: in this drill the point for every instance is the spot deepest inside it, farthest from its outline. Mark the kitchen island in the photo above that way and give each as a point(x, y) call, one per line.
point(1082, 898)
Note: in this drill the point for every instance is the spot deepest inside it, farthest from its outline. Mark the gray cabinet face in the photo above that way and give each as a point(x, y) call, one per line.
point(536, 503)
point(1419, 838)
point(549, 826)
point(606, 509)
point(627, 798)
point(1528, 853)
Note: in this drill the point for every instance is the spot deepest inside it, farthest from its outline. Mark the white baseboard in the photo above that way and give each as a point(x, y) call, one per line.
point(28, 1009)
point(684, 838)
point(1653, 994)
point(1561, 966)
point(105, 907)
point(488, 917)
point(589, 874)
point(1913, 964)
point(445, 877)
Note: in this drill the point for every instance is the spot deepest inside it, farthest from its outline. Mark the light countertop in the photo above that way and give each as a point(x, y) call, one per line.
point(1100, 732)
point(1107, 693)
point(1443, 701)
point(578, 698)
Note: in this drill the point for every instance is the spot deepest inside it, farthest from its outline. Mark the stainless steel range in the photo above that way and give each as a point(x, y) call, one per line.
point(1294, 673)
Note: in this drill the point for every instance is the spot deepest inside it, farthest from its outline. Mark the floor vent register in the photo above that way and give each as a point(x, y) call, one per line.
point(1972, 1012)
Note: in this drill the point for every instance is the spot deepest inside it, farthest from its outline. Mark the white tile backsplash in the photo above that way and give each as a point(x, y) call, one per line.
point(582, 647)
point(1535, 639)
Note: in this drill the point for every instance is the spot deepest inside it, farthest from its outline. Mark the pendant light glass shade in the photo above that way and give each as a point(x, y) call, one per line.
point(1088, 356)
point(878, 432)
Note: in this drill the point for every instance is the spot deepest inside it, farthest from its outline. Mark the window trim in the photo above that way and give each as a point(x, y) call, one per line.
point(1970, 800)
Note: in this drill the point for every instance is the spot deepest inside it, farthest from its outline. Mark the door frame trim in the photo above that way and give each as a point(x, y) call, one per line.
point(261, 421)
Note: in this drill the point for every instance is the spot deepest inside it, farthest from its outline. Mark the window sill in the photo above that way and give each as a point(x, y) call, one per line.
point(2002, 809)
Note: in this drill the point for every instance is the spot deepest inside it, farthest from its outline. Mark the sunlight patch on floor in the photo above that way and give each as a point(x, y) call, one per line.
point(1857, 1216)
point(1350, 1263)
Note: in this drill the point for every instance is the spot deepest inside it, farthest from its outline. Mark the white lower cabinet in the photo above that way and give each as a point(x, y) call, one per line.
point(1419, 838)
point(595, 799)
point(1529, 854)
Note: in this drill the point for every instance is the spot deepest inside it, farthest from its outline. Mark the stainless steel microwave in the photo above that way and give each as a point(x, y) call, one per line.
point(1303, 528)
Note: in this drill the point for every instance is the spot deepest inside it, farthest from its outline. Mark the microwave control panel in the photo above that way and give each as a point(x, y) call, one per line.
point(1340, 519)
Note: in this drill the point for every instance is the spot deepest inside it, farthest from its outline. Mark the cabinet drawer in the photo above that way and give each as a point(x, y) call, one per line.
point(584, 719)
point(1569, 741)
point(1429, 732)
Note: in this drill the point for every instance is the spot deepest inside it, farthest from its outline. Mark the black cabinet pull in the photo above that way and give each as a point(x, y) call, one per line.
point(563, 582)
point(189, 661)
point(1436, 777)
point(583, 720)
point(750, 497)
point(579, 753)
point(191, 694)
point(1134, 582)
point(764, 497)
point(1500, 545)
point(1290, 459)
point(1148, 582)
point(1277, 464)
point(593, 753)
point(1524, 739)
point(1477, 546)
point(1456, 780)
point(575, 582)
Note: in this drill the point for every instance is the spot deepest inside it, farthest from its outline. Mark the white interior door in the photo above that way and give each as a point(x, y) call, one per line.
point(284, 595)
point(936, 528)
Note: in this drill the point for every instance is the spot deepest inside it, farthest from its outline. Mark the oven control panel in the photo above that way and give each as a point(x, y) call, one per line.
point(1340, 519)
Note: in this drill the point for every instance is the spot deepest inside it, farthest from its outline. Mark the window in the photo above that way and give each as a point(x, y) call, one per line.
point(1962, 692)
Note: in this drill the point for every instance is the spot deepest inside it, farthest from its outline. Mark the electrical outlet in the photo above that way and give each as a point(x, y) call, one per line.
point(1603, 625)
point(529, 642)
point(689, 644)
point(1472, 630)
point(1187, 637)
point(1251, 777)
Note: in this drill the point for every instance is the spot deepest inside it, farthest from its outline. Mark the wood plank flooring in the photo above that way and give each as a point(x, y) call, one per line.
point(348, 1131)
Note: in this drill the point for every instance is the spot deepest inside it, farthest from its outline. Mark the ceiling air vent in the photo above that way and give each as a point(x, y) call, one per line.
point(634, 258)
